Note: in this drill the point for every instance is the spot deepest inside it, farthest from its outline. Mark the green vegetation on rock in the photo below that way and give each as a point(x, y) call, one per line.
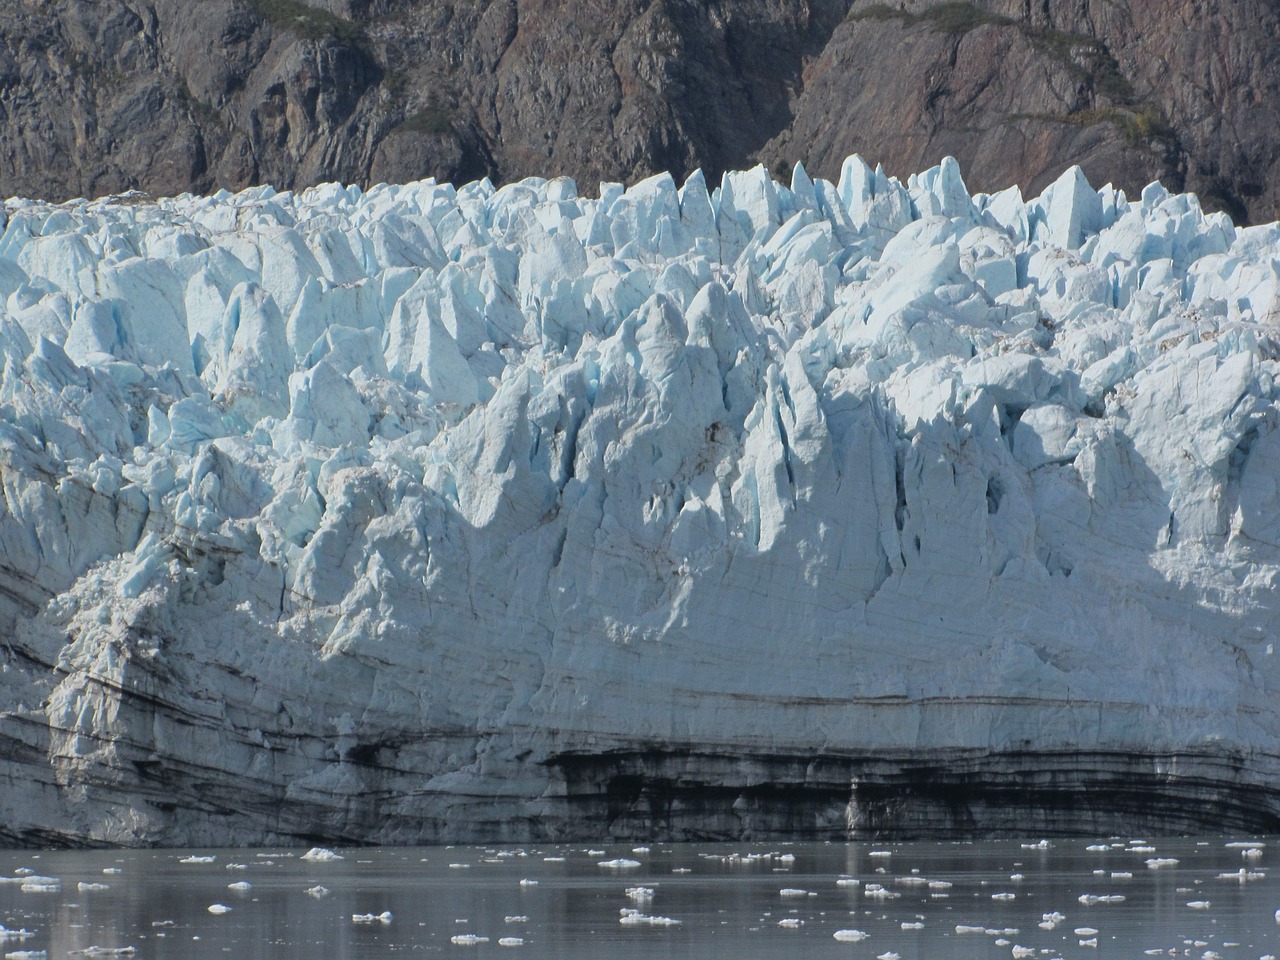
point(308, 22)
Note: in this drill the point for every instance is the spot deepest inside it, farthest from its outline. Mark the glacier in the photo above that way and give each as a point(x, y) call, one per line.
point(432, 513)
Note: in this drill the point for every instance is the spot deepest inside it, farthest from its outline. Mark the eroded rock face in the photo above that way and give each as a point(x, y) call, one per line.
point(165, 96)
point(442, 513)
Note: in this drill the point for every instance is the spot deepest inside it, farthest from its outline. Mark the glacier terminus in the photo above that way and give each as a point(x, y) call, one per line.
point(434, 513)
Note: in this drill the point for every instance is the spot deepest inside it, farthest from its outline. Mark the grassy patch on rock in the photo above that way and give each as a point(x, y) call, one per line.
point(308, 22)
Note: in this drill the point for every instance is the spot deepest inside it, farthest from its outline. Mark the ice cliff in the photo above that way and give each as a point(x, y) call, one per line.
point(435, 513)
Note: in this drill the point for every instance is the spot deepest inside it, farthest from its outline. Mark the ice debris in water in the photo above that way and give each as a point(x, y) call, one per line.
point(361, 427)
point(634, 918)
point(622, 863)
point(383, 917)
point(320, 855)
point(219, 908)
point(37, 884)
point(317, 891)
point(850, 936)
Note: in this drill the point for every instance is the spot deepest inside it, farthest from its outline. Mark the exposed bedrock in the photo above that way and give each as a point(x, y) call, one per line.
point(98, 96)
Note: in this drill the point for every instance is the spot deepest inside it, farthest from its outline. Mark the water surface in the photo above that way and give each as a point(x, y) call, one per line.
point(986, 899)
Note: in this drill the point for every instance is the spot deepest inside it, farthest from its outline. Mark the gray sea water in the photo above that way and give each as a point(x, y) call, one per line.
point(1104, 898)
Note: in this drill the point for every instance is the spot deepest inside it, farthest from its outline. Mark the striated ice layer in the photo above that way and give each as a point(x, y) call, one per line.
point(436, 513)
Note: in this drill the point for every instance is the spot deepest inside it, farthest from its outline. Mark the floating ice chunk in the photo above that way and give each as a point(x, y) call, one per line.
point(528, 883)
point(1004, 896)
point(1158, 863)
point(847, 882)
point(240, 886)
point(218, 908)
point(1088, 899)
point(911, 925)
point(198, 859)
point(468, 940)
point(639, 894)
point(37, 884)
point(383, 917)
point(26, 955)
point(510, 942)
point(82, 885)
point(97, 951)
point(875, 891)
point(850, 936)
point(633, 918)
point(792, 892)
point(320, 855)
point(791, 923)
point(1098, 847)
point(317, 891)
point(515, 919)
point(1086, 932)
point(620, 863)
point(1021, 952)
point(1199, 904)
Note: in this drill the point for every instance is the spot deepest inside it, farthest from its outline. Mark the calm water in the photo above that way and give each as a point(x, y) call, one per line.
point(916, 900)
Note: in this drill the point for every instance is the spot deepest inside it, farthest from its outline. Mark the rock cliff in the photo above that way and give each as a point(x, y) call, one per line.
point(97, 96)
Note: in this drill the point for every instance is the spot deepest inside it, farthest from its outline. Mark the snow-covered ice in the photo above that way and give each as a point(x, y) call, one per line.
point(433, 493)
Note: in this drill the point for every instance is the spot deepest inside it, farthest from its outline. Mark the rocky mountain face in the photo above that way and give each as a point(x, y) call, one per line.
point(98, 96)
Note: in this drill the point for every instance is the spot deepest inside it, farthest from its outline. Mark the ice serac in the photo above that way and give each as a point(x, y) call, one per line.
point(443, 513)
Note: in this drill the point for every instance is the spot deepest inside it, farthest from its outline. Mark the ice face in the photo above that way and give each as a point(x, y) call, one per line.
point(409, 493)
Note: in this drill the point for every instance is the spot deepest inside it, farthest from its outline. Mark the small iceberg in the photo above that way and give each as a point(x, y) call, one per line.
point(320, 855)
